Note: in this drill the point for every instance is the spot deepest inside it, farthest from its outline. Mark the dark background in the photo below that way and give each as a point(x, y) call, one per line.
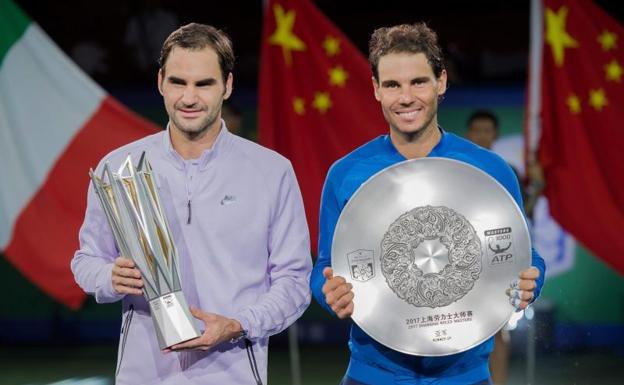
point(485, 41)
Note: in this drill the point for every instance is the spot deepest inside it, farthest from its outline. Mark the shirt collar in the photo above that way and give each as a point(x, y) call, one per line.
point(207, 155)
point(441, 147)
point(437, 150)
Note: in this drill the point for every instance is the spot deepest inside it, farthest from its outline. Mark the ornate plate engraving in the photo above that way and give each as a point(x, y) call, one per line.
point(399, 259)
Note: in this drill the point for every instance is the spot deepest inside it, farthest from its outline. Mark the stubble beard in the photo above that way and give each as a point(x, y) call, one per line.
point(194, 131)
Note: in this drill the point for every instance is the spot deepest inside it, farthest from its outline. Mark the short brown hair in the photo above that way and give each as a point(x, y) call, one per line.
point(195, 36)
point(405, 38)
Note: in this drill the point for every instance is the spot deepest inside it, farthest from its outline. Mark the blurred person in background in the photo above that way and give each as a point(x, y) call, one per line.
point(482, 128)
point(409, 79)
point(237, 219)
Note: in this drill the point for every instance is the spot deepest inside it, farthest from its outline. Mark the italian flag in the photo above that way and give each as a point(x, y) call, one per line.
point(55, 123)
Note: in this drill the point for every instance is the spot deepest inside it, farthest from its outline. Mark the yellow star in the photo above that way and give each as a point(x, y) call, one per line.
point(574, 103)
point(614, 71)
point(299, 106)
point(338, 76)
point(284, 35)
point(556, 35)
point(597, 99)
point(322, 102)
point(331, 46)
point(608, 40)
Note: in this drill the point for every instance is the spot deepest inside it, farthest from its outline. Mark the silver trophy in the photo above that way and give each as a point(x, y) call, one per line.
point(134, 211)
point(430, 245)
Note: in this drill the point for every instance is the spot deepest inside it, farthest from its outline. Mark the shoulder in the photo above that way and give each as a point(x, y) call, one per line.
point(365, 152)
point(485, 160)
point(488, 161)
point(264, 160)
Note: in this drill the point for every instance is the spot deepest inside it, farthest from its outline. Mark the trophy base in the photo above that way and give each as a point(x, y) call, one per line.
point(173, 321)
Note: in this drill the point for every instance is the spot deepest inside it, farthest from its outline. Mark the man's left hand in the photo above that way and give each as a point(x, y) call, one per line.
point(521, 291)
point(218, 329)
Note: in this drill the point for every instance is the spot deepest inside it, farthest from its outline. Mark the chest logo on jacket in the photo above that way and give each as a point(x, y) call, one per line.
point(228, 199)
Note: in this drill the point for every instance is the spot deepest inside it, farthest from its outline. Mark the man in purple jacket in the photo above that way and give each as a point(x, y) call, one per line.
point(237, 218)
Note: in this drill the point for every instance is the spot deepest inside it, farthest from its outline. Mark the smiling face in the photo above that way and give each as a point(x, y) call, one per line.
point(408, 92)
point(193, 90)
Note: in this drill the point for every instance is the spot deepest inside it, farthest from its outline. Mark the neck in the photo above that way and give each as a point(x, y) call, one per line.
point(191, 146)
point(417, 145)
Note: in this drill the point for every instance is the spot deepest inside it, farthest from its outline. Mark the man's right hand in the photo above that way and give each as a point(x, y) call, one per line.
point(126, 277)
point(338, 294)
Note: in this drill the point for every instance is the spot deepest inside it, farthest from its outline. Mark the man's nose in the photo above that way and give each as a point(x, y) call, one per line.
point(189, 97)
point(406, 97)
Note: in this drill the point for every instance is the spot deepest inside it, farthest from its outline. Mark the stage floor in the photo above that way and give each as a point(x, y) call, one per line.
point(95, 365)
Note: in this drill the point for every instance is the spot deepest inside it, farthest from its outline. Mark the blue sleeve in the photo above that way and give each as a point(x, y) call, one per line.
point(328, 218)
point(507, 177)
point(538, 261)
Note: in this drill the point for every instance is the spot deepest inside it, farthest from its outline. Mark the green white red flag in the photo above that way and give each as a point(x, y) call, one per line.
point(55, 123)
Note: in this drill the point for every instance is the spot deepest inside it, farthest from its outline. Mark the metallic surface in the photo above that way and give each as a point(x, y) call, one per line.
point(141, 230)
point(430, 245)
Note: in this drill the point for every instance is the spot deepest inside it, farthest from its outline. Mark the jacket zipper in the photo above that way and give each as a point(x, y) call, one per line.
point(188, 205)
point(190, 171)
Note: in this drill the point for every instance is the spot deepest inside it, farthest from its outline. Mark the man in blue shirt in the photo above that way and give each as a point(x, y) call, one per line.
point(409, 80)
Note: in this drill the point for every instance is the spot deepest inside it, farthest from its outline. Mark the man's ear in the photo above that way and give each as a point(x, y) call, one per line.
point(228, 86)
point(160, 80)
point(442, 83)
point(376, 88)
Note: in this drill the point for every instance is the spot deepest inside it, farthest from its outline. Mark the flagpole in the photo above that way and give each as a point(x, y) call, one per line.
point(533, 132)
point(532, 137)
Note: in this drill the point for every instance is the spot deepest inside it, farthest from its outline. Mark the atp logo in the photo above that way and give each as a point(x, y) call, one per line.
point(499, 246)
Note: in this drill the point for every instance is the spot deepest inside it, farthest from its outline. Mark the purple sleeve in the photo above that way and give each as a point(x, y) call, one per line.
point(93, 262)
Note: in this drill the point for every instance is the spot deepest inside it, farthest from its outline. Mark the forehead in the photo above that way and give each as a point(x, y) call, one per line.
point(197, 63)
point(403, 66)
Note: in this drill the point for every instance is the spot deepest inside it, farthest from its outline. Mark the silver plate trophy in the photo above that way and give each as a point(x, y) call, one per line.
point(132, 205)
point(430, 246)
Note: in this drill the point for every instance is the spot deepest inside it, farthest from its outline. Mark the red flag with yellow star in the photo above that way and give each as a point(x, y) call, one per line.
point(581, 147)
point(316, 99)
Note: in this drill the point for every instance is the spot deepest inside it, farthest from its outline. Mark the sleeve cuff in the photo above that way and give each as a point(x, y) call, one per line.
point(104, 292)
point(243, 318)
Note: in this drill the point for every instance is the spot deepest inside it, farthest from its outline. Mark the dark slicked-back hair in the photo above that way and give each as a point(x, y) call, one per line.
point(405, 38)
point(196, 36)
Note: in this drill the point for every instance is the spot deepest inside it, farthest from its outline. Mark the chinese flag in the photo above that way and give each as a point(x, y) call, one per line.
point(582, 142)
point(316, 96)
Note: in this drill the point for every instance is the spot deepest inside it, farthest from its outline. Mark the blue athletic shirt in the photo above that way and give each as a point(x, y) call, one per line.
point(371, 362)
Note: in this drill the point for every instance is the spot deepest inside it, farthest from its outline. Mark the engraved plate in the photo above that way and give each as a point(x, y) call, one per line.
point(436, 243)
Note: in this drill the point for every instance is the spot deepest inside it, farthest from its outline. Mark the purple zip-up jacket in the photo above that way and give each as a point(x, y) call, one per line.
point(237, 218)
